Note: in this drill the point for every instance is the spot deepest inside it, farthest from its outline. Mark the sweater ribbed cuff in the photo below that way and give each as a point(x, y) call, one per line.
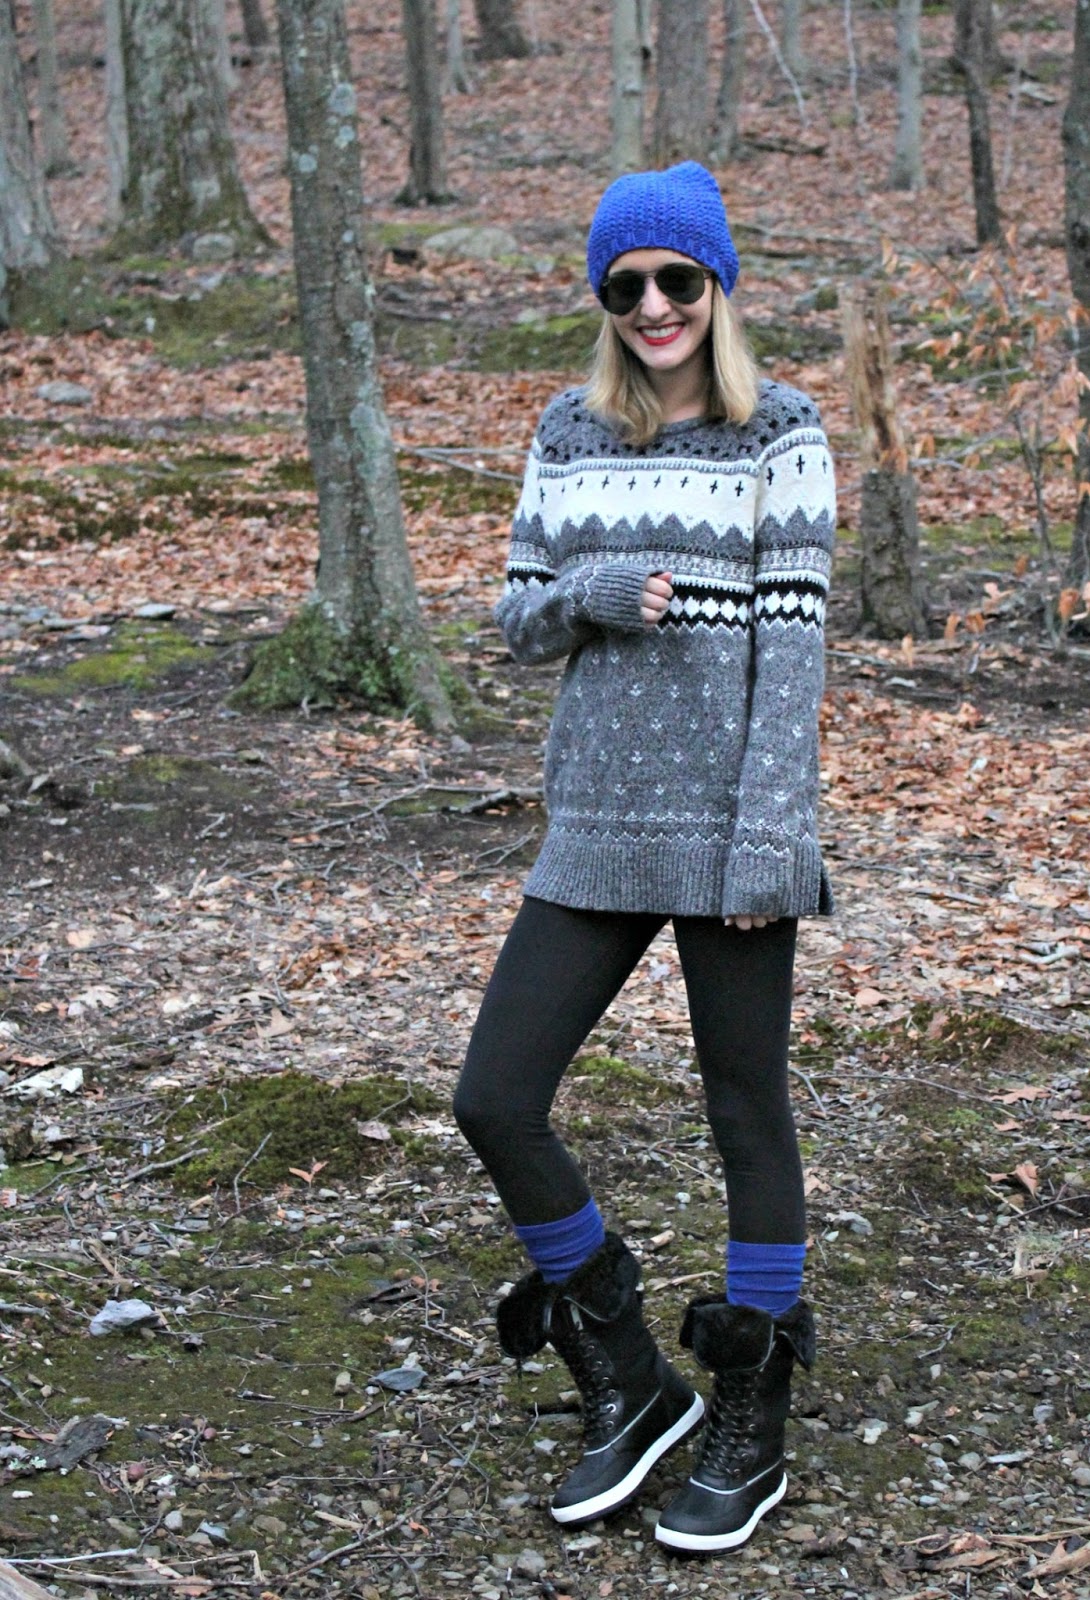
point(776, 876)
point(613, 597)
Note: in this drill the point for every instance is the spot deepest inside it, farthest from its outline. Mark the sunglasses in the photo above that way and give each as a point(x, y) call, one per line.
point(683, 284)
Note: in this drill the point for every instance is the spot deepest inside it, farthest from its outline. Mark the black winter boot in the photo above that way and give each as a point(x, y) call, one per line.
point(739, 1474)
point(635, 1406)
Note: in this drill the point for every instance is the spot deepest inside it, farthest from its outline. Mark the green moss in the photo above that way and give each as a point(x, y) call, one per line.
point(426, 342)
point(294, 472)
point(618, 1082)
point(561, 344)
point(135, 656)
point(301, 1121)
point(455, 493)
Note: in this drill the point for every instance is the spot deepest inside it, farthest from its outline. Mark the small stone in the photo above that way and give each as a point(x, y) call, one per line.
point(371, 1508)
point(872, 1429)
point(155, 611)
point(61, 393)
point(342, 1383)
point(213, 247)
point(271, 1525)
point(1081, 1476)
point(971, 1461)
point(853, 1221)
point(530, 1564)
point(118, 1315)
point(472, 243)
point(174, 1522)
point(457, 1499)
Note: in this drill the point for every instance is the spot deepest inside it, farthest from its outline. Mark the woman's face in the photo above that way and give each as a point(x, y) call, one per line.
point(666, 337)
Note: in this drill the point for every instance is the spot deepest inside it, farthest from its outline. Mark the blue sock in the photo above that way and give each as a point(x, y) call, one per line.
point(557, 1249)
point(765, 1276)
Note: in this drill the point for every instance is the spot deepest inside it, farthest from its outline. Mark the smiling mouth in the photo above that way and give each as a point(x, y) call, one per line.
point(667, 335)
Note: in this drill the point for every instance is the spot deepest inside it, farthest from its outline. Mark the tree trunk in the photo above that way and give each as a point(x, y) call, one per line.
point(729, 99)
point(1076, 143)
point(457, 77)
point(362, 632)
point(894, 602)
point(907, 171)
point(991, 57)
point(182, 174)
point(117, 128)
point(427, 154)
point(500, 34)
point(254, 27)
point(626, 144)
point(54, 138)
point(28, 232)
point(970, 28)
point(791, 38)
point(13, 1585)
point(681, 112)
point(216, 24)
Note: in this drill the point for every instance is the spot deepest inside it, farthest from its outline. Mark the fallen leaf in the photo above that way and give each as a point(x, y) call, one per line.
point(374, 1130)
point(308, 1177)
point(81, 938)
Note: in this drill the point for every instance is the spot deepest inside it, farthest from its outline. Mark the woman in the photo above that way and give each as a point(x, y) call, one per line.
point(673, 540)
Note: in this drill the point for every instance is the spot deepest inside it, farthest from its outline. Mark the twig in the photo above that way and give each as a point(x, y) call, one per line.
point(818, 1101)
point(496, 797)
point(164, 1166)
point(248, 1162)
point(376, 1533)
point(462, 466)
point(11, 1308)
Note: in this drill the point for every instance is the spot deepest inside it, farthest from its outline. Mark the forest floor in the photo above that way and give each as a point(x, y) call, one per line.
point(250, 949)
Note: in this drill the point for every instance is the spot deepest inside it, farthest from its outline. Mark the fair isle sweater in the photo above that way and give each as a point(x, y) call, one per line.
point(681, 772)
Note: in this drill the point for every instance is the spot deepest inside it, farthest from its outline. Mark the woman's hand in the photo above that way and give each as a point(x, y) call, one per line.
point(748, 922)
point(658, 591)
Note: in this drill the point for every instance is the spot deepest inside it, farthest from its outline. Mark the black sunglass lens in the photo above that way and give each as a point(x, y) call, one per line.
point(623, 292)
point(684, 285)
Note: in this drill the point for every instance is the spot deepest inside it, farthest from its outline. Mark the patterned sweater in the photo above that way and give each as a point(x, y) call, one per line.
point(681, 773)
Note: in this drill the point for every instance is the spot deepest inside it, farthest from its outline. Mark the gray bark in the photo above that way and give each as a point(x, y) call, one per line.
point(991, 57)
point(970, 16)
point(892, 592)
point(182, 175)
point(681, 55)
point(217, 26)
point(254, 27)
point(365, 592)
point(427, 153)
point(729, 98)
point(791, 37)
point(28, 232)
point(1076, 145)
point(457, 76)
point(500, 35)
point(626, 145)
point(54, 137)
point(117, 129)
point(907, 171)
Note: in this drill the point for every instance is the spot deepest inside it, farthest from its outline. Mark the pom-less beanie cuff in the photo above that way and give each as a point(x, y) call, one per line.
point(680, 209)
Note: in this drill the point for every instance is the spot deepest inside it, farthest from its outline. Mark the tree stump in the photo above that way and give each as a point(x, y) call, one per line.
point(893, 598)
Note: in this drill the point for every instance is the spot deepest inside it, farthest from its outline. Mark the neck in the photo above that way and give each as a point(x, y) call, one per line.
point(682, 393)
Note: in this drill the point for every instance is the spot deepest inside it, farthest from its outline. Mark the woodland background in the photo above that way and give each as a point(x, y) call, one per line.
point(246, 948)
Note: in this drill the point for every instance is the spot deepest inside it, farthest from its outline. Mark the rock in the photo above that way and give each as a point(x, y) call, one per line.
point(215, 1531)
point(342, 1383)
point(1081, 1476)
point(401, 1380)
point(155, 611)
point(872, 1429)
point(971, 1461)
point(482, 243)
point(54, 1080)
point(212, 247)
point(61, 393)
point(852, 1220)
point(174, 1522)
point(530, 1564)
point(117, 1316)
point(458, 1500)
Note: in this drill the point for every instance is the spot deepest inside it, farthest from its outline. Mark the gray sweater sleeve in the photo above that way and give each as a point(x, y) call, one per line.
point(775, 861)
point(544, 614)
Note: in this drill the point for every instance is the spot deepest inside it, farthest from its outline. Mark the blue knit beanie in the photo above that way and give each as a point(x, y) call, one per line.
point(680, 209)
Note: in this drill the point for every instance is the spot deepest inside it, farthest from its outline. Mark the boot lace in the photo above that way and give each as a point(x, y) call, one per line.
point(591, 1369)
point(733, 1423)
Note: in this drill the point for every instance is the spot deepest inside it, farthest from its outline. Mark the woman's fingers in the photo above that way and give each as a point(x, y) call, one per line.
point(656, 596)
point(748, 922)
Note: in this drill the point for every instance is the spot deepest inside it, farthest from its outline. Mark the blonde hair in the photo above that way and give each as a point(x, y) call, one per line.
point(620, 392)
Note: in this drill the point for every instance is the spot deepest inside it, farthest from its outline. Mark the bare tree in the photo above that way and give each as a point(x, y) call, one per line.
point(991, 57)
point(681, 65)
point(362, 631)
point(182, 175)
point(728, 101)
point(255, 29)
point(53, 134)
point(1076, 143)
point(117, 127)
point(29, 240)
point(629, 61)
point(457, 75)
point(216, 12)
point(500, 33)
point(907, 170)
point(791, 37)
point(894, 603)
point(970, 15)
point(427, 151)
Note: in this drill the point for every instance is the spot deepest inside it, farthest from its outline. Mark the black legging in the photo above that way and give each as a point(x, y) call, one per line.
point(557, 972)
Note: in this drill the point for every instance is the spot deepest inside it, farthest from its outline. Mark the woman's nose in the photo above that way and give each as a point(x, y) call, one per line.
point(654, 303)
